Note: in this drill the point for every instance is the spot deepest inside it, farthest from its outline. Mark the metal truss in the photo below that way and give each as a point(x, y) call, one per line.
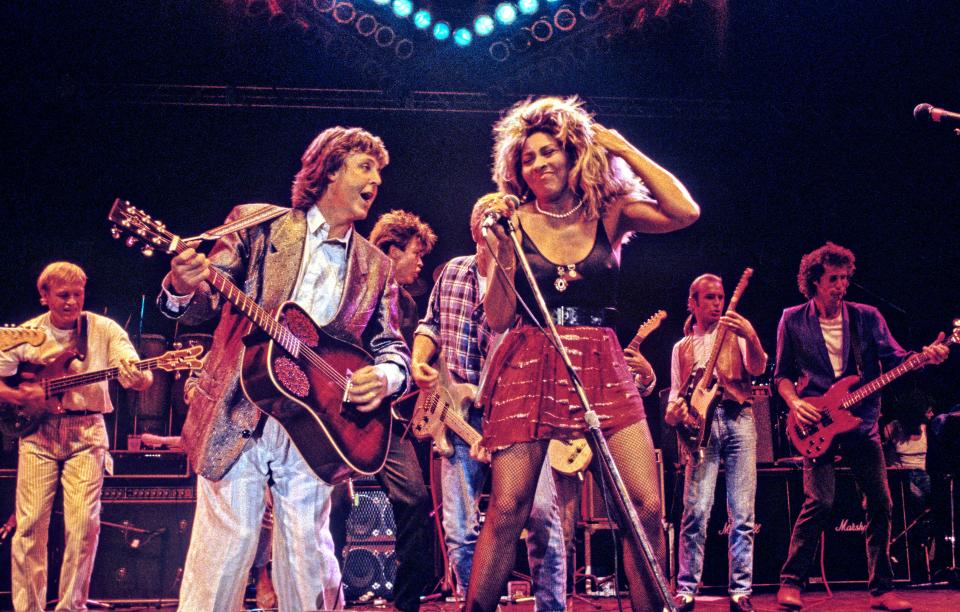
point(257, 97)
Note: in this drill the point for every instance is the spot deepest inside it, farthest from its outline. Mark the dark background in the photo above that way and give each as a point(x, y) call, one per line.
point(790, 123)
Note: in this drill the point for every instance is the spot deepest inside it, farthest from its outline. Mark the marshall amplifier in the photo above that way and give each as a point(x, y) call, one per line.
point(844, 543)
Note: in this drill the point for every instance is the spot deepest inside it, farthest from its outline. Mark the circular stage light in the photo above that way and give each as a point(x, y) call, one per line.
point(422, 19)
point(528, 7)
point(506, 13)
point(483, 25)
point(441, 30)
point(402, 8)
point(462, 37)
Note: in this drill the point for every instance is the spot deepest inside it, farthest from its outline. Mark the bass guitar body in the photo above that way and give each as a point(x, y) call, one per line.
point(570, 457)
point(303, 394)
point(18, 421)
point(443, 411)
point(814, 440)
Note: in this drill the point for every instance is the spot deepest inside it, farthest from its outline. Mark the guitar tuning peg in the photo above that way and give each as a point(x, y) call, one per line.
point(130, 241)
point(147, 250)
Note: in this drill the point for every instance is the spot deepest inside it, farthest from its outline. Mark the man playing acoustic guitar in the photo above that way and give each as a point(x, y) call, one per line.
point(69, 447)
point(732, 438)
point(309, 254)
point(818, 343)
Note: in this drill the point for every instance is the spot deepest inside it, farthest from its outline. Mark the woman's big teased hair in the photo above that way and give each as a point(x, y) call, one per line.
point(595, 176)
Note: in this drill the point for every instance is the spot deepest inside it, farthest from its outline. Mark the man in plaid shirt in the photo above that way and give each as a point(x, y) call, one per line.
point(455, 326)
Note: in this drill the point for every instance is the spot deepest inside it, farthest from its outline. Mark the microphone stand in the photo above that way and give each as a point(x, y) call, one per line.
point(627, 516)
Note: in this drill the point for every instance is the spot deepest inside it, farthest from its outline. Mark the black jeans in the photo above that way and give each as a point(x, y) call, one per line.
point(865, 459)
point(402, 480)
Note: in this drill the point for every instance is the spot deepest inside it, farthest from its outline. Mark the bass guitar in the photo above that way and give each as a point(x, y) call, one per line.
point(12, 337)
point(703, 391)
point(572, 457)
point(20, 420)
point(292, 369)
point(444, 410)
point(815, 440)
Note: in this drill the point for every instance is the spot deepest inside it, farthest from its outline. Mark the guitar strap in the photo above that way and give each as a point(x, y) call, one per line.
point(855, 339)
point(266, 213)
point(82, 337)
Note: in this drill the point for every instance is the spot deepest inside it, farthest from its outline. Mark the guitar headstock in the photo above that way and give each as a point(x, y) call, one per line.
point(652, 323)
point(12, 337)
point(140, 228)
point(740, 288)
point(183, 359)
point(954, 337)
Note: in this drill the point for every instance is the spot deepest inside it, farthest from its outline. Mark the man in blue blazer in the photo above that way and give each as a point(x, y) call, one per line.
point(819, 342)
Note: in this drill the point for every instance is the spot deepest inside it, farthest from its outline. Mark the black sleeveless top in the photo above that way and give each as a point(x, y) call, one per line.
point(592, 283)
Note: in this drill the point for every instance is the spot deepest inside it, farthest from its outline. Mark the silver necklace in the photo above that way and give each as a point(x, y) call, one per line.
point(554, 215)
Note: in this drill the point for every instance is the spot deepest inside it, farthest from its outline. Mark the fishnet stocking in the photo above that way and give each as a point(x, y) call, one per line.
point(632, 451)
point(514, 479)
point(513, 483)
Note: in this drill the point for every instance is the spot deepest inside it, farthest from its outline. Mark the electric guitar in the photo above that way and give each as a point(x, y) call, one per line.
point(572, 457)
point(815, 440)
point(703, 391)
point(444, 410)
point(20, 420)
point(12, 337)
point(292, 369)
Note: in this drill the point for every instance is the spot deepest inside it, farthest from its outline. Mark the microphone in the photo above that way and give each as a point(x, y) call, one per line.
point(492, 217)
point(926, 113)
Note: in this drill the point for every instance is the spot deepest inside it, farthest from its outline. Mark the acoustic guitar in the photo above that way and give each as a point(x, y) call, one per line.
point(293, 370)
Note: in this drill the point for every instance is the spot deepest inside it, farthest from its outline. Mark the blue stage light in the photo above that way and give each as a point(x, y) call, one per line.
point(422, 19)
point(402, 8)
point(441, 30)
point(528, 7)
point(506, 13)
point(462, 37)
point(483, 25)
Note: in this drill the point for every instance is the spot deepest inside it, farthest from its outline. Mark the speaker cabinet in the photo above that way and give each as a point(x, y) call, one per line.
point(8, 485)
point(763, 419)
point(144, 536)
point(844, 540)
point(369, 559)
point(777, 489)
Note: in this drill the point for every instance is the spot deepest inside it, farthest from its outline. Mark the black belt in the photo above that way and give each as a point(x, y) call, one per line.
point(78, 413)
point(589, 317)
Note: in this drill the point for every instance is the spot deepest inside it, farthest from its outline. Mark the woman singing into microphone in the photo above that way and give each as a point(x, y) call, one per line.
point(583, 189)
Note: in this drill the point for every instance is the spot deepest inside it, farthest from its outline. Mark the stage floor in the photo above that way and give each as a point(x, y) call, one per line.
point(923, 600)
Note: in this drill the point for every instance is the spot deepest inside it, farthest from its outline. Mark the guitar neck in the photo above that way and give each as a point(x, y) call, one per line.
point(260, 317)
point(722, 331)
point(242, 302)
point(459, 426)
point(56, 386)
point(912, 363)
point(645, 330)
